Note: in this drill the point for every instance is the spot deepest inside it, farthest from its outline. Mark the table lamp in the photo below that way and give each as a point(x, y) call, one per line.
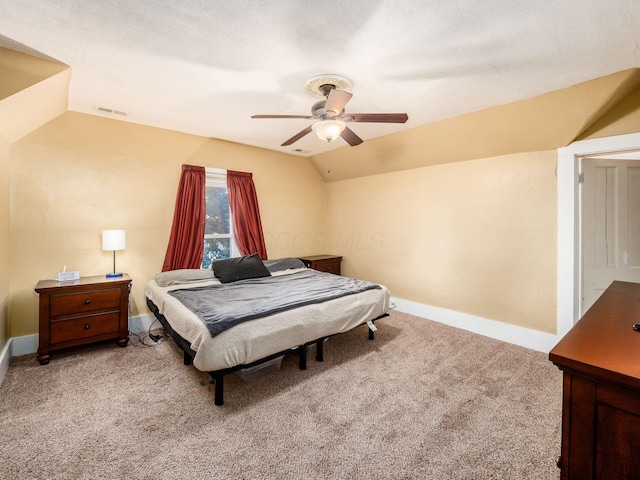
point(114, 240)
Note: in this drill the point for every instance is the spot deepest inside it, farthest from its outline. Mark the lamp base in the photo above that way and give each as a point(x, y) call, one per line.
point(113, 275)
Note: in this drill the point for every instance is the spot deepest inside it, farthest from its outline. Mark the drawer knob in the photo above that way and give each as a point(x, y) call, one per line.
point(87, 301)
point(87, 326)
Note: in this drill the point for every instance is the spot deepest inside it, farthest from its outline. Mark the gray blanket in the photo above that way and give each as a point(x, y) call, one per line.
point(223, 306)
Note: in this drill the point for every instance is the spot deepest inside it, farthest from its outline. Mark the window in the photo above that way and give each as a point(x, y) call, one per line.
point(218, 231)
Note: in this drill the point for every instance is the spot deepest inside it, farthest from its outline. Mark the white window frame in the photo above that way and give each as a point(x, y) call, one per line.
point(216, 177)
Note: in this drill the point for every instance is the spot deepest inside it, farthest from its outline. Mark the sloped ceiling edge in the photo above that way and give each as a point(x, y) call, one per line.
point(544, 122)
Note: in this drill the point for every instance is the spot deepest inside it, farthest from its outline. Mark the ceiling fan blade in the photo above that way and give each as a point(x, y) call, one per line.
point(377, 117)
point(350, 137)
point(307, 117)
point(336, 101)
point(297, 136)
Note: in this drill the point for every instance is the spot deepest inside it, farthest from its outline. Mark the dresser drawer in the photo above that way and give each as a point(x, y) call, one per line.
point(84, 302)
point(83, 327)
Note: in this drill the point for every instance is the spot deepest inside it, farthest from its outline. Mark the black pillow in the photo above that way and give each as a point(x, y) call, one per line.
point(239, 268)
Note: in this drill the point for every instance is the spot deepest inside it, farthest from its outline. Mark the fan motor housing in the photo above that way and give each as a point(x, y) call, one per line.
point(318, 111)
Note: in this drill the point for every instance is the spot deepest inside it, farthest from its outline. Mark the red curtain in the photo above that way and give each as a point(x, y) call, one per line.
point(243, 201)
point(186, 243)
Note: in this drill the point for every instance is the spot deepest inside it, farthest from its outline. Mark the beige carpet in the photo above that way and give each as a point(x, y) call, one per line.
point(421, 401)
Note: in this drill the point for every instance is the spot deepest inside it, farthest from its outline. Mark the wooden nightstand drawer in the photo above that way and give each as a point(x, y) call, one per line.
point(89, 309)
point(84, 327)
point(323, 263)
point(330, 266)
point(85, 302)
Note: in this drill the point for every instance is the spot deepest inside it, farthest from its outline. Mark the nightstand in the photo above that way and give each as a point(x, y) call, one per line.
point(82, 311)
point(323, 263)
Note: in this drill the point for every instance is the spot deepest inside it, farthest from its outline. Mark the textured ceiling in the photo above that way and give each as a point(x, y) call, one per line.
point(205, 66)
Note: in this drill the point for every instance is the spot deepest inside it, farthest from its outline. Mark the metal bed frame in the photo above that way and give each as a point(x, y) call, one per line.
point(218, 375)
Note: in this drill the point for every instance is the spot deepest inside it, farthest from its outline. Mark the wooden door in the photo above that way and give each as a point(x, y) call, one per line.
point(610, 225)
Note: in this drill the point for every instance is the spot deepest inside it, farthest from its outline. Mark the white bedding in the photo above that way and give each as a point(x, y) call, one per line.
point(256, 339)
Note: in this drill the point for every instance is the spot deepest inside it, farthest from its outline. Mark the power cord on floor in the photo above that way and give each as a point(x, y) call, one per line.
point(138, 337)
point(154, 336)
point(146, 339)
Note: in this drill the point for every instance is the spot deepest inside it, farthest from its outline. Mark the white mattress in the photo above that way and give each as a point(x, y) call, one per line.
point(259, 338)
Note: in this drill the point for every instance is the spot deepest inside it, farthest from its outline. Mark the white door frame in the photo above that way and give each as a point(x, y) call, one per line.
point(569, 250)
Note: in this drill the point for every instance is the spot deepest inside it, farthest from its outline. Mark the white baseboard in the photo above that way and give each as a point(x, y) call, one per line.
point(16, 346)
point(24, 345)
point(141, 323)
point(5, 358)
point(28, 344)
point(524, 337)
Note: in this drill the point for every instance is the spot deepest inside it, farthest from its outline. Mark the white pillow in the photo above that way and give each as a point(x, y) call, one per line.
point(178, 277)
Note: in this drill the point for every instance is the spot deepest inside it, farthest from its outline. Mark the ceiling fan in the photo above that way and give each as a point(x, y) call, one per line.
point(330, 113)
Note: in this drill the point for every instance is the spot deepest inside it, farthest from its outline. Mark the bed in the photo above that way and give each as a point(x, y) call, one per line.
point(219, 317)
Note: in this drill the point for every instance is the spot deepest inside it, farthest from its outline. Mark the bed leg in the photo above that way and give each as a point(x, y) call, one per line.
point(302, 362)
point(372, 329)
point(187, 358)
point(218, 380)
point(319, 350)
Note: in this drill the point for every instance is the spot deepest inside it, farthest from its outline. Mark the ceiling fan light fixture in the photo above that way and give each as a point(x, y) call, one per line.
point(328, 129)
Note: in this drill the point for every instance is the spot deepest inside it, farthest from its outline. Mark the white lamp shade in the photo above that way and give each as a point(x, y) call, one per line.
point(114, 239)
point(328, 129)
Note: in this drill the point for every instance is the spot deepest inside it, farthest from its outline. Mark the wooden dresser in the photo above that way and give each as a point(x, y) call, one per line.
point(600, 360)
point(82, 311)
point(323, 263)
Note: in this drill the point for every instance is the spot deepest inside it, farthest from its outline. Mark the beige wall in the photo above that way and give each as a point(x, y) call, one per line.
point(32, 92)
point(19, 71)
point(80, 174)
point(623, 118)
point(477, 237)
point(471, 235)
point(27, 110)
point(5, 277)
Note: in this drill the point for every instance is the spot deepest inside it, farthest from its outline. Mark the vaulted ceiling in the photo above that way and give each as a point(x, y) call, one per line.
point(205, 66)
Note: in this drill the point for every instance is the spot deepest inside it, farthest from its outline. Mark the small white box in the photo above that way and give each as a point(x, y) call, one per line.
point(68, 276)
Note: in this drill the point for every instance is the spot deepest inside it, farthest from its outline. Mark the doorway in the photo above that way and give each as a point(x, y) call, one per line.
point(610, 223)
point(569, 255)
